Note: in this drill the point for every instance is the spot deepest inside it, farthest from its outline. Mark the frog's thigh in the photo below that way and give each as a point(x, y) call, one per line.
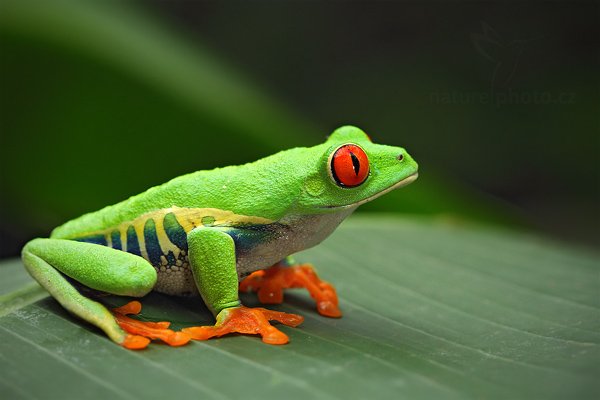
point(98, 267)
point(211, 252)
point(95, 266)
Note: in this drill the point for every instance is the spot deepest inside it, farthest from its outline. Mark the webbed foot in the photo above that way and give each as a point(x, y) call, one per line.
point(249, 321)
point(140, 332)
point(269, 285)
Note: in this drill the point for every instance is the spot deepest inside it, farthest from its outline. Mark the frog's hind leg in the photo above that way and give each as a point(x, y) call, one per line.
point(270, 283)
point(98, 267)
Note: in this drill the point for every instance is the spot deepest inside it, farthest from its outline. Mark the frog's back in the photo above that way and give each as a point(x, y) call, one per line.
point(161, 215)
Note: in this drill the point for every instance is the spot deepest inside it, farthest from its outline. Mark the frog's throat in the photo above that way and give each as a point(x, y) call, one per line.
point(397, 185)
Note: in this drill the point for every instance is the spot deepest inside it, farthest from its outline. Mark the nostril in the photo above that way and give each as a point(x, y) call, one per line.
point(400, 157)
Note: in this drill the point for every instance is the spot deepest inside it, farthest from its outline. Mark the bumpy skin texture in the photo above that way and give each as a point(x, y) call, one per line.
point(202, 232)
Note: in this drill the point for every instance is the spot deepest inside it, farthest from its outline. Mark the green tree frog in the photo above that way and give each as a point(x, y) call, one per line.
point(207, 231)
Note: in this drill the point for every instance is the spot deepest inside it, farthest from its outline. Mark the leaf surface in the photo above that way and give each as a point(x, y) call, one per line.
point(431, 310)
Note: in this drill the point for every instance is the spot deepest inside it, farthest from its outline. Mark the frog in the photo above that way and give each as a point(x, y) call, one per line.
point(217, 233)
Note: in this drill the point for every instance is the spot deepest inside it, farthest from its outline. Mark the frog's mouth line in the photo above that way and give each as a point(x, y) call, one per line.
point(397, 185)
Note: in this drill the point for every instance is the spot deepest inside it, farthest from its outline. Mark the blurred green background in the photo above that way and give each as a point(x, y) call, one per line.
point(498, 102)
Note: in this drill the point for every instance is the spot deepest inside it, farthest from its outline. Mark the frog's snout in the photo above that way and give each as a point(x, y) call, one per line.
point(408, 164)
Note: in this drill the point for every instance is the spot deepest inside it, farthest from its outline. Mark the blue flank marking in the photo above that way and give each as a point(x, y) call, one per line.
point(95, 239)
point(175, 231)
point(151, 240)
point(133, 245)
point(248, 237)
point(115, 237)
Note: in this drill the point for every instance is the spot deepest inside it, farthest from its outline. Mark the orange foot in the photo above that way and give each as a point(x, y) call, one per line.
point(270, 283)
point(141, 332)
point(247, 320)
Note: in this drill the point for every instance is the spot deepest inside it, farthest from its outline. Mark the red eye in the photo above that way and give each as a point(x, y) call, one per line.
point(349, 165)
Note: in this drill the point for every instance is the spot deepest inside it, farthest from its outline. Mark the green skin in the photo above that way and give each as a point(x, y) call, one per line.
point(291, 192)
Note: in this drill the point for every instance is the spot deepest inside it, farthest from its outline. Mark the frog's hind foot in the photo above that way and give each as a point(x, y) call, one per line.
point(248, 321)
point(141, 332)
point(269, 285)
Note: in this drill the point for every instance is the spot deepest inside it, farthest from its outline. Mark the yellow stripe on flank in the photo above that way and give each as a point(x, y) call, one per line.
point(186, 218)
point(138, 226)
point(163, 240)
point(123, 231)
point(189, 218)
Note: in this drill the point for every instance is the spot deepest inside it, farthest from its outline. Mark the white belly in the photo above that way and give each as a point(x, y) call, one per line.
point(300, 233)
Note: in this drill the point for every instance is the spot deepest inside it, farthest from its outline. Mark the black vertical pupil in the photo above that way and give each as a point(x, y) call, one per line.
point(355, 163)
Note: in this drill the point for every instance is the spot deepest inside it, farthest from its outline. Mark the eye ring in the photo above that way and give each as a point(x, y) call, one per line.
point(349, 166)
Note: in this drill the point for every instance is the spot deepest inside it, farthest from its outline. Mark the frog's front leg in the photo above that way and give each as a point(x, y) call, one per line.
point(211, 253)
point(95, 266)
point(270, 283)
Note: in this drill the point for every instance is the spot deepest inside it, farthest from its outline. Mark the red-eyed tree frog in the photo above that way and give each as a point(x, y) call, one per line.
point(205, 232)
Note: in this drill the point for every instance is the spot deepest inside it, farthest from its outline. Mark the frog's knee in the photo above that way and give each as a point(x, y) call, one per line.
point(34, 246)
point(139, 281)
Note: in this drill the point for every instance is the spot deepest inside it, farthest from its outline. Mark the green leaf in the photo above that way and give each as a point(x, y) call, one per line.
point(431, 311)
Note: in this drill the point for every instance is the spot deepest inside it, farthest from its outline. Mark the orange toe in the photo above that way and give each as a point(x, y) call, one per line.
point(140, 330)
point(252, 281)
point(135, 342)
point(288, 319)
point(274, 336)
point(133, 307)
point(328, 309)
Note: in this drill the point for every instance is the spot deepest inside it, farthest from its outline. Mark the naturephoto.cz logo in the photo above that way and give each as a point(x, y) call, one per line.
point(504, 57)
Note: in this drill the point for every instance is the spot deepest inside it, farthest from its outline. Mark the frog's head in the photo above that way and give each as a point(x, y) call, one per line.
point(351, 170)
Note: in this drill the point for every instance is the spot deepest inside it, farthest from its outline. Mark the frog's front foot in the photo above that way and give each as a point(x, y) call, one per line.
point(249, 321)
point(140, 332)
point(269, 285)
